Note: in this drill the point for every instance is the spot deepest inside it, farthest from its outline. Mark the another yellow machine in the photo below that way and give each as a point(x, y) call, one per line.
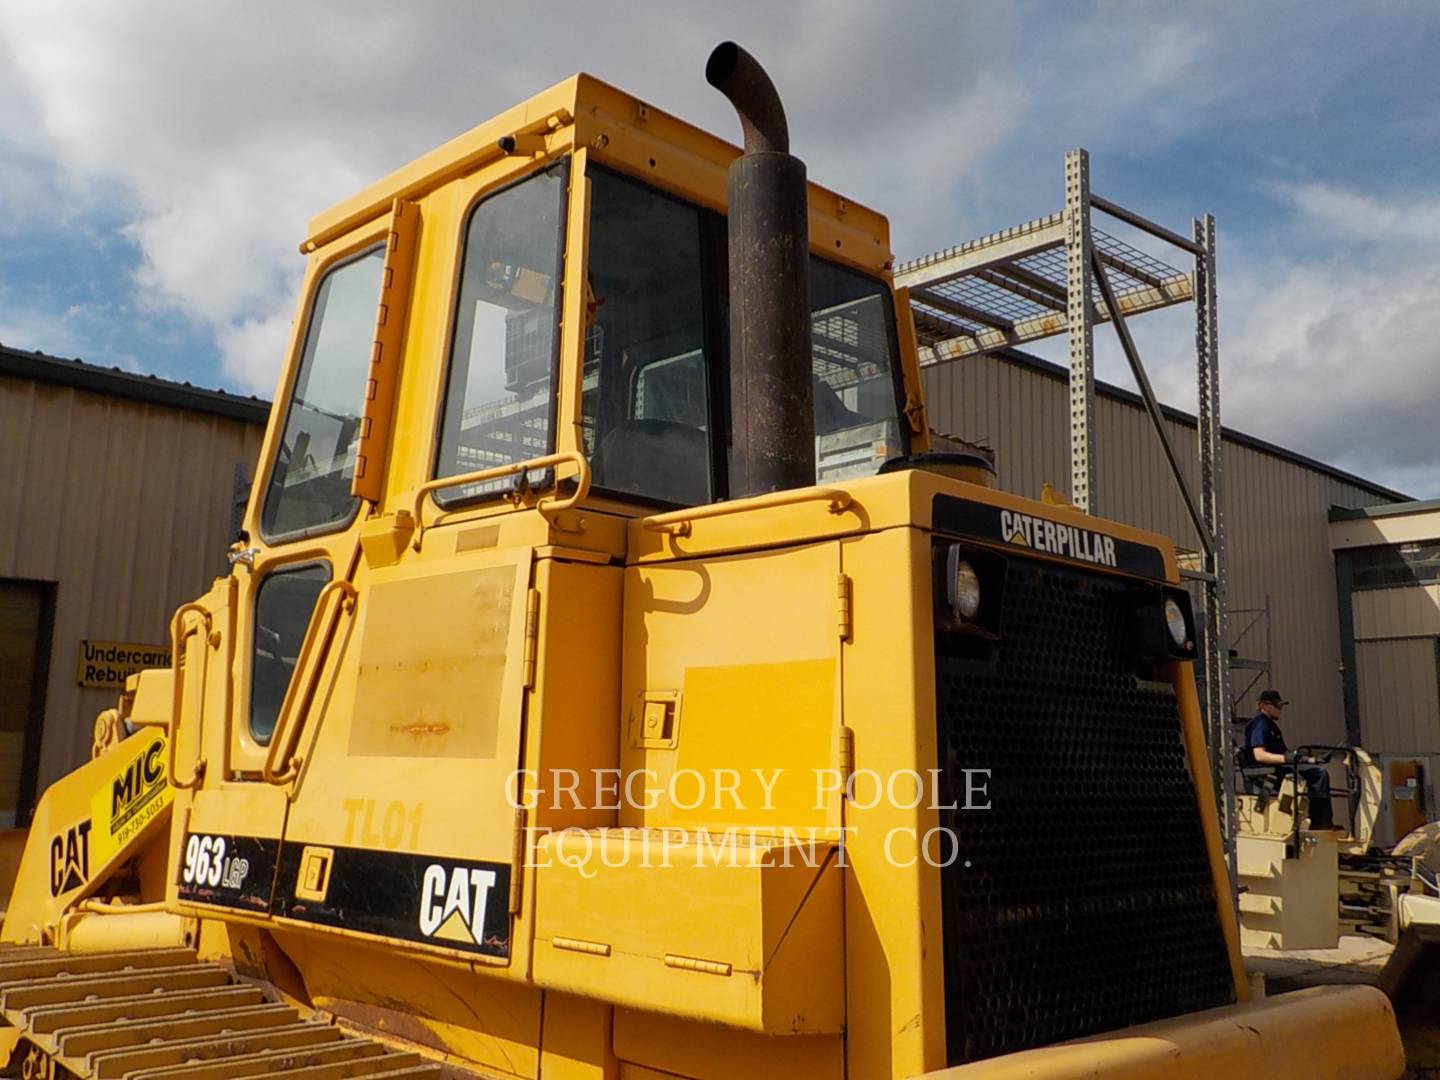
point(612, 681)
point(1303, 888)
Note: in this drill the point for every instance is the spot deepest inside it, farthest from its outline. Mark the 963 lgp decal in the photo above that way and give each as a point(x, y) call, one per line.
point(452, 903)
point(228, 871)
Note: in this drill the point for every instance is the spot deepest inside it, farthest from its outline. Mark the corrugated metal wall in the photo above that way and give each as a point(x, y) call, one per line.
point(1399, 695)
point(126, 505)
point(1407, 611)
point(1276, 511)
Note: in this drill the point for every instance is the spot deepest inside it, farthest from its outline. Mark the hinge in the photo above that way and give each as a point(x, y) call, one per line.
point(846, 756)
point(844, 593)
point(517, 859)
point(915, 413)
point(532, 637)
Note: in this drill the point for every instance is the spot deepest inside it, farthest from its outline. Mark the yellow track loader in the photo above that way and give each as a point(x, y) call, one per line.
point(612, 681)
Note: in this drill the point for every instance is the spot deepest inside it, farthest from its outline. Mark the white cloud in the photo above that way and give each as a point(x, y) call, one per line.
point(1340, 361)
point(1360, 216)
point(249, 350)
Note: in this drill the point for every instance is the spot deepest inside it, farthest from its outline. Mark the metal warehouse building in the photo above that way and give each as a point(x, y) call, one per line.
point(116, 506)
point(1387, 568)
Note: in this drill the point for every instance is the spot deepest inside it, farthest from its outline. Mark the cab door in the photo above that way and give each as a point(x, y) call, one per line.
point(299, 553)
point(403, 823)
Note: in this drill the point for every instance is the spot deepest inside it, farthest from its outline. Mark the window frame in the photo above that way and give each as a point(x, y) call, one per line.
point(259, 589)
point(715, 331)
point(564, 164)
point(350, 255)
point(714, 337)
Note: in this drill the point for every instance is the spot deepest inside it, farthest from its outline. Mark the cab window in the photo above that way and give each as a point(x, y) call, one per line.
point(309, 489)
point(499, 400)
point(283, 605)
point(656, 354)
point(854, 376)
point(646, 415)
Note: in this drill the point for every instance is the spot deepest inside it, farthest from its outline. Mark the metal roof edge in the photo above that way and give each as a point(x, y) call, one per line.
point(1359, 513)
point(147, 388)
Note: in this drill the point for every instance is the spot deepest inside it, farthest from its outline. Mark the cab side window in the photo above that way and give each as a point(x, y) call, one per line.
point(309, 490)
point(854, 374)
point(283, 605)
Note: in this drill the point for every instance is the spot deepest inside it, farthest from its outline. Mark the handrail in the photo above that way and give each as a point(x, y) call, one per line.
point(178, 639)
point(285, 737)
point(677, 522)
point(105, 907)
point(546, 507)
point(1349, 791)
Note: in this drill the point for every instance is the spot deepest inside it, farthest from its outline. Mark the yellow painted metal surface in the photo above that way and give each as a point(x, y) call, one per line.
point(616, 919)
point(394, 306)
point(651, 1044)
point(894, 980)
point(1326, 1031)
point(760, 704)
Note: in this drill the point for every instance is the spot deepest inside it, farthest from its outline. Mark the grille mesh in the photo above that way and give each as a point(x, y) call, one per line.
point(1087, 904)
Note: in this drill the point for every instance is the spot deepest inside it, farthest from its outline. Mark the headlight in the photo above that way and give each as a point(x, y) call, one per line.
point(965, 591)
point(1175, 623)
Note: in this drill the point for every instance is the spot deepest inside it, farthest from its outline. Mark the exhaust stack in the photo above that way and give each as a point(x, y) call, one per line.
point(772, 419)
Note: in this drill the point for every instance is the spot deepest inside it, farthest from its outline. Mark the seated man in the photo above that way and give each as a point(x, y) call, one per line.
point(1265, 745)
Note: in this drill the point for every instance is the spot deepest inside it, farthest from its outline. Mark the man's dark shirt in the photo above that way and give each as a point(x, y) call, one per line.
point(1263, 732)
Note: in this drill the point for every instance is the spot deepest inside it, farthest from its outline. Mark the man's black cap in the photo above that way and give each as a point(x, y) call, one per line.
point(1272, 697)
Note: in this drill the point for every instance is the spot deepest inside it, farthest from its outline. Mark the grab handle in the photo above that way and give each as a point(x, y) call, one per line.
point(547, 507)
point(281, 765)
point(180, 635)
point(677, 522)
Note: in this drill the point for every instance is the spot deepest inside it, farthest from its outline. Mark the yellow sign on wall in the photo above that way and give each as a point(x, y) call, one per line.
point(108, 663)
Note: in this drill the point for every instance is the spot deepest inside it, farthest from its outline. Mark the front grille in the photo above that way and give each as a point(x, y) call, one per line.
point(1082, 901)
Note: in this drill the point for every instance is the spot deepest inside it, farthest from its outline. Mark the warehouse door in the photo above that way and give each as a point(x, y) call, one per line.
point(26, 613)
point(1399, 684)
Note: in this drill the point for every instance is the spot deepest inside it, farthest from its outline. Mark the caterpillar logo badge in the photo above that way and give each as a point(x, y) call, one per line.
point(70, 859)
point(1025, 532)
point(1053, 538)
point(453, 901)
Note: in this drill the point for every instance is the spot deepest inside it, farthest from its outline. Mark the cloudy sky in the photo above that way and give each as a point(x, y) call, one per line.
point(159, 161)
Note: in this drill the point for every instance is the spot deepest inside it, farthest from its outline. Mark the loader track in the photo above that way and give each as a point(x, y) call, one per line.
point(151, 1013)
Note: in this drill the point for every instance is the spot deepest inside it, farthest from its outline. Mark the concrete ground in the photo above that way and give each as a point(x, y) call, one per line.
point(1357, 960)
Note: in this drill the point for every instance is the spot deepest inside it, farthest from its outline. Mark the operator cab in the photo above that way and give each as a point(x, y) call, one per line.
point(654, 359)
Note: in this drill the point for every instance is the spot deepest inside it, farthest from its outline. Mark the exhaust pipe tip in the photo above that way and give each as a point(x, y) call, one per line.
point(739, 76)
point(721, 64)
